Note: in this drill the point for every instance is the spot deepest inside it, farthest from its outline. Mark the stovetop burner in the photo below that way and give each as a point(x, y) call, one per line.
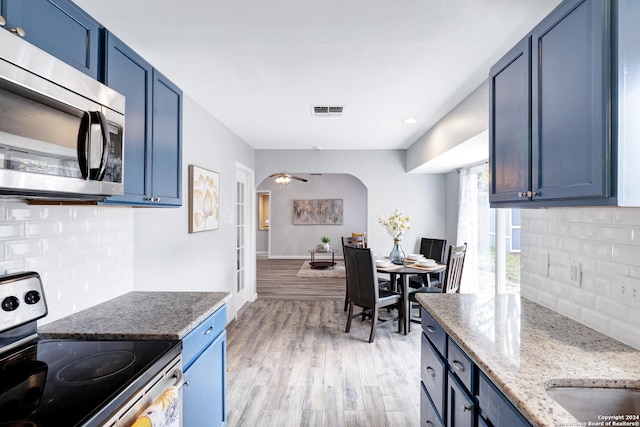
point(96, 367)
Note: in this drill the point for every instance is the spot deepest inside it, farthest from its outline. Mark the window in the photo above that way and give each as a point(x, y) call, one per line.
point(492, 263)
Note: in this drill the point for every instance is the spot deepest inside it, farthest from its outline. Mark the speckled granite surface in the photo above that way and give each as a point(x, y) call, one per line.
point(139, 315)
point(525, 348)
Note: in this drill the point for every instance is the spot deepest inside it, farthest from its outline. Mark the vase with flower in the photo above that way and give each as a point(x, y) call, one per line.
point(396, 225)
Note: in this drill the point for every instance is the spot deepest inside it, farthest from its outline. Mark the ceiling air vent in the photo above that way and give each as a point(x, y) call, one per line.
point(327, 110)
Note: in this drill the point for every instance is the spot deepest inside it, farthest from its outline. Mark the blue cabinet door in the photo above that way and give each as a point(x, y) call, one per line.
point(60, 28)
point(166, 181)
point(510, 125)
point(153, 128)
point(204, 393)
point(571, 150)
point(128, 73)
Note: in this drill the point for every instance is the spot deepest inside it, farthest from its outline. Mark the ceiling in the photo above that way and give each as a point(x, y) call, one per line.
point(259, 66)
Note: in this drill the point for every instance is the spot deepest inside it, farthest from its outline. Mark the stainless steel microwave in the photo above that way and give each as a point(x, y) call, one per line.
point(61, 132)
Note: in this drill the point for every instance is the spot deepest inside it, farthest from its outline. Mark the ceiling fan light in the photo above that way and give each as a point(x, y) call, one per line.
point(283, 180)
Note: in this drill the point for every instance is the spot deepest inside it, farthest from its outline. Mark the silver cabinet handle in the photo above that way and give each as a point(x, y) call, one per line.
point(430, 328)
point(3, 21)
point(459, 366)
point(18, 31)
point(186, 383)
point(208, 331)
point(466, 408)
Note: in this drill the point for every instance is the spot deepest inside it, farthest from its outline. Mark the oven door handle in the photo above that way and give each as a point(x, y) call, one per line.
point(179, 376)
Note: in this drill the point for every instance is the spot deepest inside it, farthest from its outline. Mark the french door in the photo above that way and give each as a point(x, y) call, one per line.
point(245, 288)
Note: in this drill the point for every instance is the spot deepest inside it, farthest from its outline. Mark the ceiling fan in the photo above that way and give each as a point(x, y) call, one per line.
point(285, 178)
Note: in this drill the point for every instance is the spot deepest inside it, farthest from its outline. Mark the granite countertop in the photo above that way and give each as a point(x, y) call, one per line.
point(138, 315)
point(525, 348)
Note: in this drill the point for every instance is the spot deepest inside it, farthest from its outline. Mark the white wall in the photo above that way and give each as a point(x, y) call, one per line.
point(451, 212)
point(294, 241)
point(167, 257)
point(606, 242)
point(382, 172)
point(84, 254)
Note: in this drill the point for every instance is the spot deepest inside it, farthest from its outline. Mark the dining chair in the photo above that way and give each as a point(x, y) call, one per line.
point(452, 277)
point(357, 242)
point(364, 291)
point(432, 249)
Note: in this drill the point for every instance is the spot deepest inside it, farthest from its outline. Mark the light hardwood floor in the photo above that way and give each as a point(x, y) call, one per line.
point(290, 363)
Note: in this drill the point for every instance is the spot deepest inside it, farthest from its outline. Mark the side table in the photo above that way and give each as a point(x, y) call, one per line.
point(324, 263)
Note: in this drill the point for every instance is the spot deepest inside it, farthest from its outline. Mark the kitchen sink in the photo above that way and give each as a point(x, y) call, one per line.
point(598, 403)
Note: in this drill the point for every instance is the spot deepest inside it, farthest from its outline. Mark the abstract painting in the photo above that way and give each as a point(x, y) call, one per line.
point(204, 199)
point(318, 211)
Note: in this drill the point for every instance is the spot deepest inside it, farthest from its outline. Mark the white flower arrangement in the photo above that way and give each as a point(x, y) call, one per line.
point(397, 224)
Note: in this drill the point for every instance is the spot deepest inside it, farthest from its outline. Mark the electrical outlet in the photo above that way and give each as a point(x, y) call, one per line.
point(575, 272)
point(627, 291)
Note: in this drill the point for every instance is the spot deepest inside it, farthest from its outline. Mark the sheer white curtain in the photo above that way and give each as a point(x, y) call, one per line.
point(468, 225)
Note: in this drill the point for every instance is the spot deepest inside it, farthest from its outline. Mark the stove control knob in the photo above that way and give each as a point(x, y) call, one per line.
point(32, 297)
point(10, 303)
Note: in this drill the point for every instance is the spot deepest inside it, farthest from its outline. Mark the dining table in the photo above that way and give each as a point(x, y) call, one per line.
point(403, 272)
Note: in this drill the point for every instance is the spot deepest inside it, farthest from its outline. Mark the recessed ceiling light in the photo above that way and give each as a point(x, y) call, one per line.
point(409, 121)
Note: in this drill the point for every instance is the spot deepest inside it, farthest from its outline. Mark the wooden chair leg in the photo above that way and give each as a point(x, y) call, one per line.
point(401, 315)
point(346, 300)
point(374, 322)
point(349, 316)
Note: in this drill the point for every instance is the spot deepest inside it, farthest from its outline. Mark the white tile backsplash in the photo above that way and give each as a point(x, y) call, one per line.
point(84, 254)
point(606, 242)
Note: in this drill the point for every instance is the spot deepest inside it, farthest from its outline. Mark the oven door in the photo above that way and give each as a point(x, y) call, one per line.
point(170, 376)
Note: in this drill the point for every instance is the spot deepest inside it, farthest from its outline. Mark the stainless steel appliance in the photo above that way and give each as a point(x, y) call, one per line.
point(45, 382)
point(61, 132)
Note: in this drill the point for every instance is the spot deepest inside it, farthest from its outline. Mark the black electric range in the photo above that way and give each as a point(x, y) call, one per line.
point(45, 382)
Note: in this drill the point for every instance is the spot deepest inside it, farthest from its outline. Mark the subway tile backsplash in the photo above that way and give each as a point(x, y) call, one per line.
point(606, 242)
point(84, 254)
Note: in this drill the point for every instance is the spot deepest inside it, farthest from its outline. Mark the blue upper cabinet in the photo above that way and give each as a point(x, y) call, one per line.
point(571, 142)
point(58, 27)
point(557, 97)
point(153, 128)
point(166, 164)
point(510, 129)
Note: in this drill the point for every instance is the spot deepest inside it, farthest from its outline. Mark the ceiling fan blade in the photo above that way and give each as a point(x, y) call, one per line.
point(298, 178)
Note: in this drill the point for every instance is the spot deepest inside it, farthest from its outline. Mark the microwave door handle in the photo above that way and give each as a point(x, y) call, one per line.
point(83, 144)
point(99, 118)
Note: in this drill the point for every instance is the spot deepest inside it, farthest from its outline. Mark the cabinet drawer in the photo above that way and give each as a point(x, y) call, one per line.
point(433, 371)
point(428, 415)
point(434, 332)
point(202, 335)
point(495, 408)
point(460, 364)
point(461, 409)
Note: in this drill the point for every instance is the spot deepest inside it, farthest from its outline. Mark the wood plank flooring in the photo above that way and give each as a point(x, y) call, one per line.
point(290, 363)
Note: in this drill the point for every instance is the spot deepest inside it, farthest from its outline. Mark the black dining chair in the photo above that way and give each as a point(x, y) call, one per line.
point(432, 249)
point(357, 242)
point(364, 291)
point(452, 277)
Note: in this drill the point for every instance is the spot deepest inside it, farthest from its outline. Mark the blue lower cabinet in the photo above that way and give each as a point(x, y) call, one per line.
point(428, 415)
point(204, 397)
point(204, 357)
point(461, 408)
point(495, 408)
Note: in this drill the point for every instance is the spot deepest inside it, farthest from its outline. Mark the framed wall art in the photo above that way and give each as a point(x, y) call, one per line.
point(204, 199)
point(318, 211)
